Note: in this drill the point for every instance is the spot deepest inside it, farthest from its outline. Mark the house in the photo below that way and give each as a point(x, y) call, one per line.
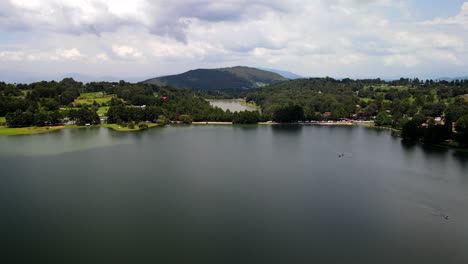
point(103, 119)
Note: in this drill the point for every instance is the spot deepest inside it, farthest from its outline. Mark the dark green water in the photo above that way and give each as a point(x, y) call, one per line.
point(228, 194)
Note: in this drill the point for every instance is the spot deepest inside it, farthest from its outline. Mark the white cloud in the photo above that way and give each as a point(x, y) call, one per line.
point(11, 55)
point(460, 19)
point(69, 54)
point(102, 57)
point(314, 38)
point(401, 60)
point(126, 52)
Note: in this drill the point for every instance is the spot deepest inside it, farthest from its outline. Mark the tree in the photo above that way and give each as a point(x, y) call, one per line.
point(383, 119)
point(185, 119)
point(162, 120)
point(288, 114)
point(412, 130)
point(462, 128)
point(462, 124)
point(142, 125)
point(19, 119)
point(246, 117)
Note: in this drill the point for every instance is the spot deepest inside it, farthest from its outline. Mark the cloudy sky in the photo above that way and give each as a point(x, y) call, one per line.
point(143, 38)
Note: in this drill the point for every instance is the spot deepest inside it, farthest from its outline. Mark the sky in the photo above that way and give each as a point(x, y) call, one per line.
point(149, 38)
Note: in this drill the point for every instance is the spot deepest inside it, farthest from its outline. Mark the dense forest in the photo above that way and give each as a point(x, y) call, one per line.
point(52, 103)
point(239, 78)
point(432, 111)
point(424, 110)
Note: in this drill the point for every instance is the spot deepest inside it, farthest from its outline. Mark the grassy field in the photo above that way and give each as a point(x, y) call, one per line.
point(7, 131)
point(102, 110)
point(89, 98)
point(251, 105)
point(385, 88)
point(2, 119)
point(368, 100)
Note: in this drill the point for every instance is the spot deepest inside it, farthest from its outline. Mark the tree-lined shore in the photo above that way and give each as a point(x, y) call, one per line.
point(430, 111)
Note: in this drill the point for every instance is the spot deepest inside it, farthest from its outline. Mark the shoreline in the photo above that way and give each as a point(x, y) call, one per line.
point(18, 131)
point(6, 131)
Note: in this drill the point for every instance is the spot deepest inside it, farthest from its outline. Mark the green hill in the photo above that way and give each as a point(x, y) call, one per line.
point(237, 78)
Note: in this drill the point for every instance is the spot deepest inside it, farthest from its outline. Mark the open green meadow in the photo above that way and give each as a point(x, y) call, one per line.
point(89, 98)
point(12, 131)
point(386, 88)
point(8, 131)
point(2, 119)
point(103, 110)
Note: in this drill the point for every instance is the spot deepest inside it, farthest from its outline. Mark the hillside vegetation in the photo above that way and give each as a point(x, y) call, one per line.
point(223, 79)
point(422, 110)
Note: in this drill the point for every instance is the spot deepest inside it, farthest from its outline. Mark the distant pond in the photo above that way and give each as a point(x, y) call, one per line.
point(232, 105)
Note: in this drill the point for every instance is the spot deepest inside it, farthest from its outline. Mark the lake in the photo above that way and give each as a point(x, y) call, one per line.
point(231, 194)
point(232, 105)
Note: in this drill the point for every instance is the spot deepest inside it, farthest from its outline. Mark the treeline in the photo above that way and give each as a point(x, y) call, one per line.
point(80, 117)
point(53, 103)
point(125, 114)
point(430, 106)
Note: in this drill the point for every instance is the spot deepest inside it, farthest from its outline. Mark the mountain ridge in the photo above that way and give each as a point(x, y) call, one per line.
point(285, 74)
point(231, 78)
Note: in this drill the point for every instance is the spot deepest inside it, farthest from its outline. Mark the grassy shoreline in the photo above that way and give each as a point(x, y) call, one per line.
point(9, 131)
point(251, 105)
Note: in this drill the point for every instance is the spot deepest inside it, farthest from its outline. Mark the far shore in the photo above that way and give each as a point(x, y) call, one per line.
point(7, 131)
point(364, 123)
point(10, 131)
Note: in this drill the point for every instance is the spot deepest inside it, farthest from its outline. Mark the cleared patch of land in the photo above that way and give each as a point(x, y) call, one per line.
point(103, 110)
point(386, 88)
point(8, 131)
point(90, 98)
point(251, 105)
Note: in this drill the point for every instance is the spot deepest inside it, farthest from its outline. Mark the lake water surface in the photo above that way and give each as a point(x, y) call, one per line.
point(232, 105)
point(231, 194)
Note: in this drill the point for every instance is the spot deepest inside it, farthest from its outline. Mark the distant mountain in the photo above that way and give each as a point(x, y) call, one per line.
point(90, 78)
point(286, 74)
point(13, 76)
point(234, 78)
point(453, 79)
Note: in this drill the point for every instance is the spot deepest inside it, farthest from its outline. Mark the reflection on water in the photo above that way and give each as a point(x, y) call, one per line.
point(231, 194)
point(286, 129)
point(61, 141)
